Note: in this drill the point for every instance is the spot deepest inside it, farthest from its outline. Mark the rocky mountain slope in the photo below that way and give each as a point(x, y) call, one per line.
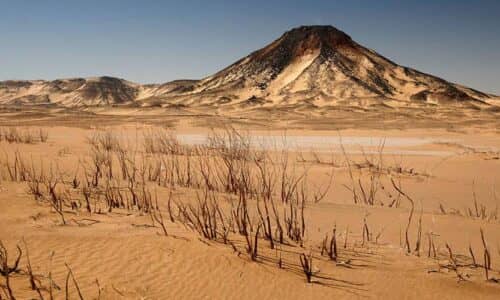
point(310, 65)
point(69, 92)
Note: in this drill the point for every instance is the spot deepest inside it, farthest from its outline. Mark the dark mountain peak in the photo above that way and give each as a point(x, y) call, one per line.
point(316, 37)
point(326, 32)
point(305, 40)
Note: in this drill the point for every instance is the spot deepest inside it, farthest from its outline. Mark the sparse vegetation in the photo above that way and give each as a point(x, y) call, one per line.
point(16, 135)
point(43, 287)
point(476, 210)
point(373, 188)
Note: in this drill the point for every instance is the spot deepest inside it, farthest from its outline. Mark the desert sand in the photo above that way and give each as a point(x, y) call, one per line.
point(124, 253)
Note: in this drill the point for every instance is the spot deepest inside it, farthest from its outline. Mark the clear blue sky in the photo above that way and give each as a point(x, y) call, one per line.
point(157, 41)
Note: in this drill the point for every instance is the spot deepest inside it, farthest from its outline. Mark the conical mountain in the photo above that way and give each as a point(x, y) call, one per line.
point(324, 65)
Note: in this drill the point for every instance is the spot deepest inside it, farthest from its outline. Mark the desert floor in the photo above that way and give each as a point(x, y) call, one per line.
point(451, 176)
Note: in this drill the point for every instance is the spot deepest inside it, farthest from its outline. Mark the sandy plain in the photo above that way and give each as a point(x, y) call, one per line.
point(450, 170)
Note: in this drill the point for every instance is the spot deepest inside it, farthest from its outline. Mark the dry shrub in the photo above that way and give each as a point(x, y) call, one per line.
point(476, 210)
point(161, 141)
point(329, 247)
point(6, 270)
point(306, 261)
point(15, 168)
point(23, 135)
